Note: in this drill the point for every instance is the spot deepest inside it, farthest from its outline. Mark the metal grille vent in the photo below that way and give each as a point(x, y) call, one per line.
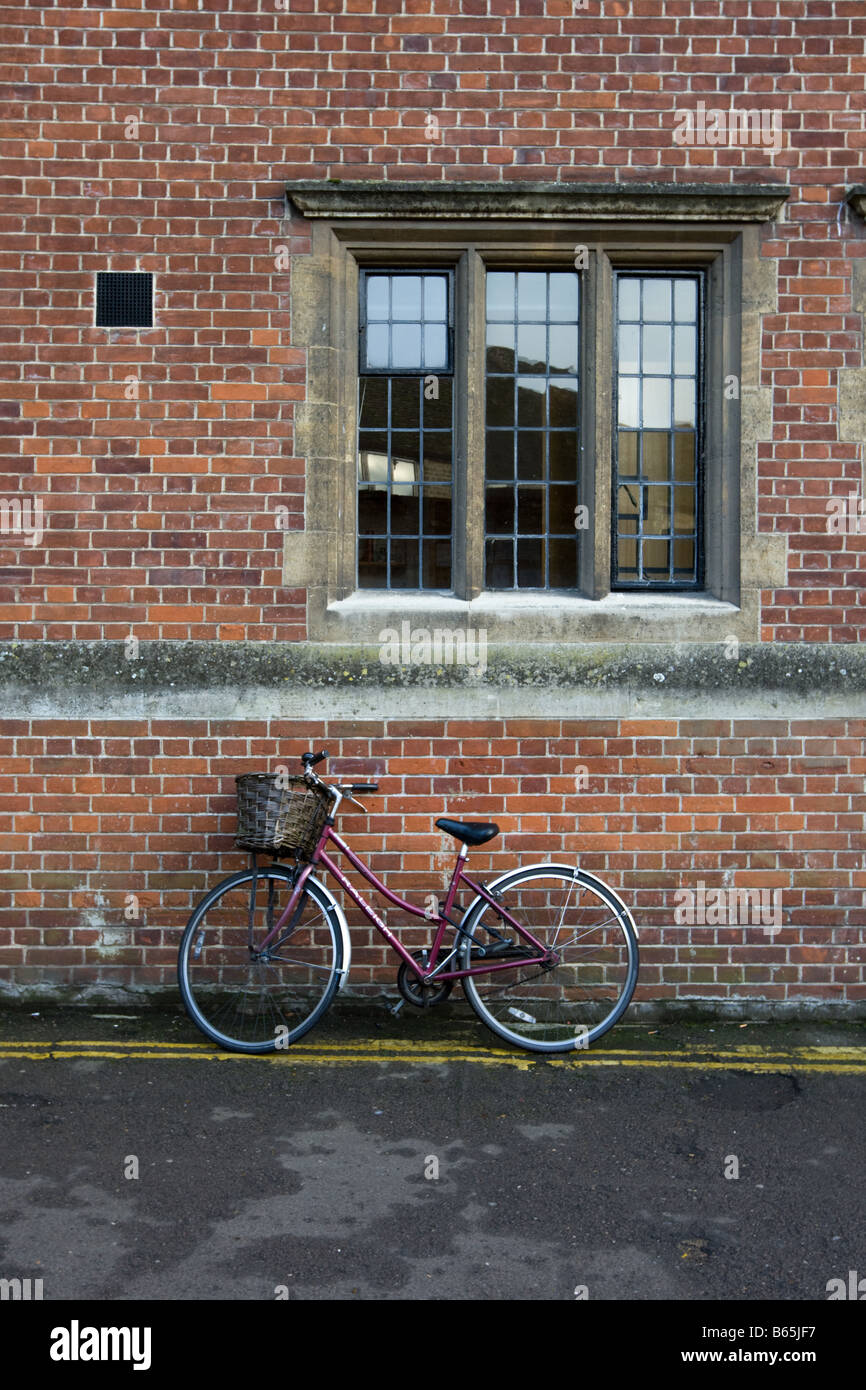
point(124, 299)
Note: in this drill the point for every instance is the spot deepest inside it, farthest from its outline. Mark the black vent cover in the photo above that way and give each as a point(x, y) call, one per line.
point(124, 299)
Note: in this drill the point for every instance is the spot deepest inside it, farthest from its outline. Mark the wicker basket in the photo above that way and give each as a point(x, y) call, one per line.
point(279, 819)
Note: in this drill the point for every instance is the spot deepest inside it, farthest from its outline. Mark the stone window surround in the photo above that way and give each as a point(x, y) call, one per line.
point(469, 225)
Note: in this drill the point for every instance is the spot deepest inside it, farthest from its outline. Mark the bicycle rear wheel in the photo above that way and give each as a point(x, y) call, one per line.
point(593, 959)
point(242, 998)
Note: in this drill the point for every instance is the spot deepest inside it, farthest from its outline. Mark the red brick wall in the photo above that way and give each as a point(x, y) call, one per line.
point(103, 809)
point(161, 510)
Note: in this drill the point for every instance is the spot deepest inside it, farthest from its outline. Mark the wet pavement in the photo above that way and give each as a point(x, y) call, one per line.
point(417, 1158)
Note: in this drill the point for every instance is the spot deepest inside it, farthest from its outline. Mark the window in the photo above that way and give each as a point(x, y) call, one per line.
point(497, 426)
point(531, 458)
point(657, 530)
point(405, 432)
point(532, 514)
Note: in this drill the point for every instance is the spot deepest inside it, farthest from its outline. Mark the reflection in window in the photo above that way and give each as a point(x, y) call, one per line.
point(405, 432)
point(656, 484)
point(404, 322)
point(531, 414)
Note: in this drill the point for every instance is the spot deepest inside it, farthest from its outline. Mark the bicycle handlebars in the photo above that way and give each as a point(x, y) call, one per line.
point(309, 761)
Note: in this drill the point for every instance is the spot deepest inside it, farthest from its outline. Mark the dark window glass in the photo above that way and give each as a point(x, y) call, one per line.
point(656, 527)
point(532, 443)
point(405, 432)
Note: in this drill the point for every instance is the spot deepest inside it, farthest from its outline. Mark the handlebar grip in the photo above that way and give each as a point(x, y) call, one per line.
point(365, 786)
point(310, 759)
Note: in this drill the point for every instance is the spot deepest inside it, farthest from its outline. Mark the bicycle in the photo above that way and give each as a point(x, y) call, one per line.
point(266, 951)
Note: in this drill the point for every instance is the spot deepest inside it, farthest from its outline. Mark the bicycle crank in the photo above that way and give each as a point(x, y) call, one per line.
point(415, 991)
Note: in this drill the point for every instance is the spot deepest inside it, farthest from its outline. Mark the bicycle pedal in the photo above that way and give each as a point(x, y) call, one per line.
point(394, 1009)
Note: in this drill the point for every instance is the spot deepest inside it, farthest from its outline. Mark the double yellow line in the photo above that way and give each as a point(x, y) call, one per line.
point(836, 1060)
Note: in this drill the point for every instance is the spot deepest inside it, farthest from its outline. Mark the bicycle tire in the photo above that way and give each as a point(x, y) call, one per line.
point(573, 1033)
point(206, 986)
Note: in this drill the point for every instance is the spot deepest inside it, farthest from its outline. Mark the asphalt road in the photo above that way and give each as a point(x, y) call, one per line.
point(415, 1159)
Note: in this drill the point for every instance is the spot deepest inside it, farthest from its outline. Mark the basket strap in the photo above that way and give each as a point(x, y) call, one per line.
point(253, 885)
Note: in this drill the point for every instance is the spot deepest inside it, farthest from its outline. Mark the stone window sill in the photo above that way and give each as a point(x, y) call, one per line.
point(536, 617)
point(410, 604)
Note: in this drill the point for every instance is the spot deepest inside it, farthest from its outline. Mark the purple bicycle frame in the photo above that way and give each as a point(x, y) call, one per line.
point(457, 877)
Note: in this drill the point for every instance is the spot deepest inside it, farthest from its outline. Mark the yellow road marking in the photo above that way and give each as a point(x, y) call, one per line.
point(365, 1045)
point(701, 1057)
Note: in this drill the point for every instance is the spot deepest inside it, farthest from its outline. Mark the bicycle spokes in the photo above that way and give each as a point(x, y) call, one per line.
point(586, 977)
point(243, 993)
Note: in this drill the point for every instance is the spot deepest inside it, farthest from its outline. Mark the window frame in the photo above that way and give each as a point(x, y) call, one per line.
point(517, 268)
point(325, 309)
point(648, 587)
point(364, 272)
point(420, 376)
point(596, 381)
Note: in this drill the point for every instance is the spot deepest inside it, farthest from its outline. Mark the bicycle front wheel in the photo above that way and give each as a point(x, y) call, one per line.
point(591, 944)
point(247, 999)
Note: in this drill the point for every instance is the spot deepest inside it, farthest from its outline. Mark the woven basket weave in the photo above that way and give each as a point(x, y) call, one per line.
point(276, 818)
